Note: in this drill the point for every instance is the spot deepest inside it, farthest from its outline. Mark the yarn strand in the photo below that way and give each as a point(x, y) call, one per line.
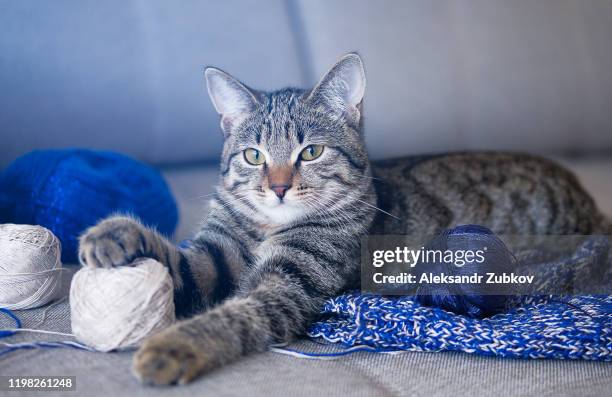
point(10, 347)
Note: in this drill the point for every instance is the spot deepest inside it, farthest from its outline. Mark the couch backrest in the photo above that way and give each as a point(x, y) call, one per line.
point(442, 75)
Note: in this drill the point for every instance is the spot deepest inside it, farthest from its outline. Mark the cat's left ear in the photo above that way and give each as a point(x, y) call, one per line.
point(231, 99)
point(341, 90)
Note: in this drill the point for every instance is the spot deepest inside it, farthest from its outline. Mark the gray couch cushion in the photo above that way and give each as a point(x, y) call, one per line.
point(273, 374)
point(450, 75)
point(128, 75)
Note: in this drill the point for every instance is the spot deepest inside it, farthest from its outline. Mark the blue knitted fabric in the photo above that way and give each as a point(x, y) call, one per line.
point(69, 190)
point(578, 327)
point(574, 328)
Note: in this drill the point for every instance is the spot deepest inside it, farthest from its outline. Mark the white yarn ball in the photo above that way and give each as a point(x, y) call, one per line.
point(30, 266)
point(117, 308)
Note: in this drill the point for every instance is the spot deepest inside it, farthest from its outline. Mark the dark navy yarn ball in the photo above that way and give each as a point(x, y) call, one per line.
point(69, 190)
point(473, 300)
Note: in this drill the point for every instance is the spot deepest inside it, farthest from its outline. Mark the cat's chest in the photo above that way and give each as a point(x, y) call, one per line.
point(271, 235)
point(270, 232)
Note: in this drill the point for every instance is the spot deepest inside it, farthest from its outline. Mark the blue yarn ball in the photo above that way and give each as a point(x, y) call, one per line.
point(469, 299)
point(70, 190)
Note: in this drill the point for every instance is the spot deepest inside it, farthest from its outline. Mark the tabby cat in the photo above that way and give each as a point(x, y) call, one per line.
point(296, 191)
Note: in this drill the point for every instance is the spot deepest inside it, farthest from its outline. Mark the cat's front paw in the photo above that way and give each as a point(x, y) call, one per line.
point(115, 241)
point(167, 359)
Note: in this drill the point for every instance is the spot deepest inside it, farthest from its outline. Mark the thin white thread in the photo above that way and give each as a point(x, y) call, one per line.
point(47, 309)
point(280, 349)
point(38, 331)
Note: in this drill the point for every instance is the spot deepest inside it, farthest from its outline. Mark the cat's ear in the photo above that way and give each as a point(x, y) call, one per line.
point(341, 90)
point(231, 99)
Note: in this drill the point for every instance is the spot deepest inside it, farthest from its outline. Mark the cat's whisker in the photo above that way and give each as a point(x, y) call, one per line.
point(240, 205)
point(339, 195)
point(326, 216)
point(379, 209)
point(202, 196)
point(366, 176)
point(344, 220)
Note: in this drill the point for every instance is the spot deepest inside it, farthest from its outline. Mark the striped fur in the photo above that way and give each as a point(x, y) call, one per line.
point(260, 267)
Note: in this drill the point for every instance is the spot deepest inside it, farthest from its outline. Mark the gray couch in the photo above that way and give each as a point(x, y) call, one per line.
point(273, 374)
point(126, 75)
point(442, 75)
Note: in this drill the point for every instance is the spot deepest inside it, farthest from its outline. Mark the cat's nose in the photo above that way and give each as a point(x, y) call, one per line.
point(280, 190)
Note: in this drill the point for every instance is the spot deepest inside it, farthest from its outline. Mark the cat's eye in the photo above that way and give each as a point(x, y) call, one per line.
point(311, 152)
point(254, 156)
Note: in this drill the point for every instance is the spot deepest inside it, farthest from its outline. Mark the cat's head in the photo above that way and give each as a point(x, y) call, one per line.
point(292, 152)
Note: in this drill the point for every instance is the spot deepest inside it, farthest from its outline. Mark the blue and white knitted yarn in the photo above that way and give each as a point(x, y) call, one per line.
point(574, 328)
point(578, 327)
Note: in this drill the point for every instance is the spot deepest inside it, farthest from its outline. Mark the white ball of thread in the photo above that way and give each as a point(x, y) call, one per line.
point(30, 266)
point(116, 308)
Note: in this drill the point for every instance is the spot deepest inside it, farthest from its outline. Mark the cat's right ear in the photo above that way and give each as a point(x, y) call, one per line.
point(231, 99)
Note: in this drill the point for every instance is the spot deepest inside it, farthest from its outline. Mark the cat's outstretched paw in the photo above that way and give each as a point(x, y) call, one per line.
point(115, 241)
point(167, 359)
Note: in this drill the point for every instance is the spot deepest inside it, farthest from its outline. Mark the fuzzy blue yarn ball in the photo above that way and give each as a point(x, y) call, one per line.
point(69, 190)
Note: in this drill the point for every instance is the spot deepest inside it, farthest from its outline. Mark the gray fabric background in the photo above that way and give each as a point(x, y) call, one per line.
point(127, 75)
